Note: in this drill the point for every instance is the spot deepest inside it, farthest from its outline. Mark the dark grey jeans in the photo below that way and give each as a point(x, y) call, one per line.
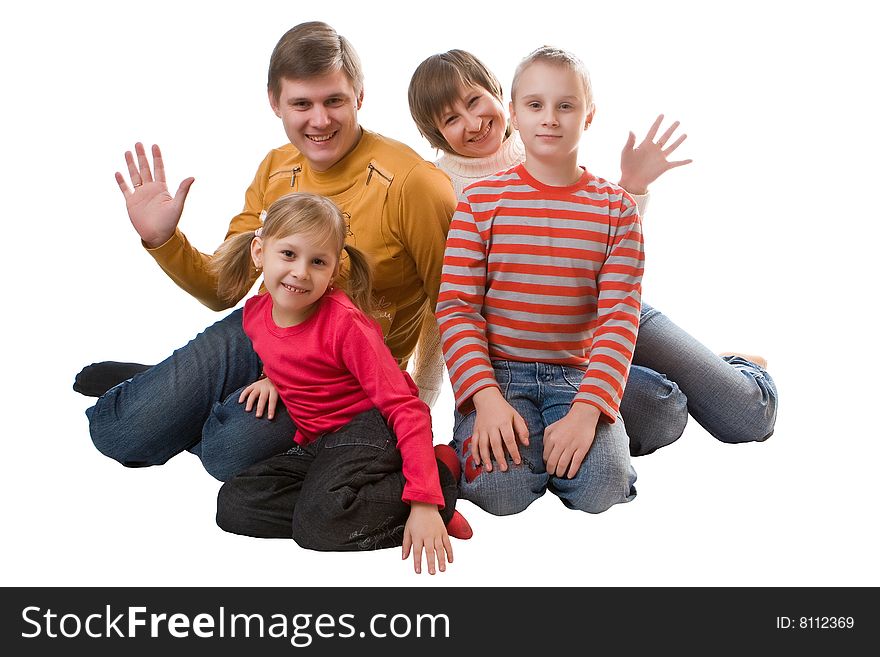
point(340, 493)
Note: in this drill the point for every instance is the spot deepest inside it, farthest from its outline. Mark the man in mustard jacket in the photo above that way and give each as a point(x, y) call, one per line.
point(398, 205)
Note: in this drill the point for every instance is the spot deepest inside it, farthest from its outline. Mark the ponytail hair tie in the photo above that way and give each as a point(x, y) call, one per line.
point(258, 232)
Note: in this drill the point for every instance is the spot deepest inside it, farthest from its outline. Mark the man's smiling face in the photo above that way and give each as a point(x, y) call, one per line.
point(320, 117)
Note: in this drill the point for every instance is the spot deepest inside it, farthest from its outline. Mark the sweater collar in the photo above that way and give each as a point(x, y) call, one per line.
point(509, 155)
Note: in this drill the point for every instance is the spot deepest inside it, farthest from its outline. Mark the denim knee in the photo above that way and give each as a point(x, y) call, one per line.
point(100, 431)
point(311, 513)
point(664, 423)
point(756, 428)
point(503, 493)
point(133, 444)
point(235, 512)
point(229, 513)
point(218, 435)
point(615, 486)
point(659, 436)
point(220, 468)
point(319, 523)
point(234, 439)
point(654, 409)
point(755, 431)
point(755, 418)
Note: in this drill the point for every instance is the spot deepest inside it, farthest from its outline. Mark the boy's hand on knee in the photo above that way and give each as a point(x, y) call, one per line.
point(497, 428)
point(567, 442)
point(425, 530)
point(264, 394)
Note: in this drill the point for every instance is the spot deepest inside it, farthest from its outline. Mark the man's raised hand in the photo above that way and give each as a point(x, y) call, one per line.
point(154, 213)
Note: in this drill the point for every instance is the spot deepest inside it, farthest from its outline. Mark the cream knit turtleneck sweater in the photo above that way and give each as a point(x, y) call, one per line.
point(466, 170)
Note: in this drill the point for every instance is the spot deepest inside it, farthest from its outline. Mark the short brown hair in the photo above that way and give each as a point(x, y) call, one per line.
point(558, 57)
point(437, 83)
point(312, 49)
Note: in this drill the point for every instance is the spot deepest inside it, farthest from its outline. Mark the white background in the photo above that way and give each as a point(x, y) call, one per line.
point(765, 244)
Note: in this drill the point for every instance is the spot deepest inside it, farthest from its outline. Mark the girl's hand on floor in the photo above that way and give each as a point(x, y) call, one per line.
point(425, 530)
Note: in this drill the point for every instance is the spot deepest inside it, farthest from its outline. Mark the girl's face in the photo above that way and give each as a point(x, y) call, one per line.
point(297, 271)
point(475, 123)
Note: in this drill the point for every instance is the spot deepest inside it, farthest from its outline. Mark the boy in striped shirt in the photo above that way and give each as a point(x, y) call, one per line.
point(539, 309)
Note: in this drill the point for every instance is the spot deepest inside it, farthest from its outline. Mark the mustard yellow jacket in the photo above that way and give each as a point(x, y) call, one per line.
point(399, 207)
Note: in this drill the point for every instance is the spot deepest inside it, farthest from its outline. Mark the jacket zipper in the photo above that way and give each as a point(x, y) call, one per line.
point(374, 169)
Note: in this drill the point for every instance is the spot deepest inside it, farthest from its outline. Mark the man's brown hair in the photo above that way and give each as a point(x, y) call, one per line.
point(310, 50)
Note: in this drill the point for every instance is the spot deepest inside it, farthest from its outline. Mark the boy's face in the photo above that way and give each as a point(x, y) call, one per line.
point(550, 111)
point(474, 125)
point(320, 117)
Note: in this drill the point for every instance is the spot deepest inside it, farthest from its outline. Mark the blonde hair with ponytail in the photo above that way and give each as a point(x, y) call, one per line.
point(295, 213)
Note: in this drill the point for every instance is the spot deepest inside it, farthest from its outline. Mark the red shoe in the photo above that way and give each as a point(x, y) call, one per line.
point(471, 470)
point(458, 527)
point(447, 456)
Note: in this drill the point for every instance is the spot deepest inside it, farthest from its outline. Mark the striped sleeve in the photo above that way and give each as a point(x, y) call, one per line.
point(617, 320)
point(459, 308)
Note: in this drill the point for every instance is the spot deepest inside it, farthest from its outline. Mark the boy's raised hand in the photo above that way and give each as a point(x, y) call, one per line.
point(643, 164)
point(497, 426)
point(154, 213)
point(425, 530)
point(567, 441)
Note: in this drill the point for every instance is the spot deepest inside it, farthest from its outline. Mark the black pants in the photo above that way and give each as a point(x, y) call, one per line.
point(341, 492)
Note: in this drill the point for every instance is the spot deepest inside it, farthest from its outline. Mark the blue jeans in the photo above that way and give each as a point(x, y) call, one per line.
point(674, 375)
point(189, 401)
point(542, 394)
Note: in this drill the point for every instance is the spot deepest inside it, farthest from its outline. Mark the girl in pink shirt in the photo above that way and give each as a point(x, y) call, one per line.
point(362, 472)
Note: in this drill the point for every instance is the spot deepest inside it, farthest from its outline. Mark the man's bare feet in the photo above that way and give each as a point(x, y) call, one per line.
point(760, 361)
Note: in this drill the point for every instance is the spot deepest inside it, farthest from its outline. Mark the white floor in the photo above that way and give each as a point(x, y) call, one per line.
point(766, 244)
point(796, 510)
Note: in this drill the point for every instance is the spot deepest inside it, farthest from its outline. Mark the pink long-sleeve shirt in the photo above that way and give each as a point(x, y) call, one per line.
point(334, 366)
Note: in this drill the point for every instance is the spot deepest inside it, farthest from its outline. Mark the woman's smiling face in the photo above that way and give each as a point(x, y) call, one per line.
point(475, 123)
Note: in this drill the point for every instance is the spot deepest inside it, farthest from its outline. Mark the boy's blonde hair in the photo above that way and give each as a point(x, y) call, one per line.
point(557, 57)
point(309, 50)
point(295, 213)
point(437, 83)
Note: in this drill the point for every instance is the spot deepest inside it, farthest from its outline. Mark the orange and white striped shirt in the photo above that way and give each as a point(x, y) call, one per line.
point(545, 274)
